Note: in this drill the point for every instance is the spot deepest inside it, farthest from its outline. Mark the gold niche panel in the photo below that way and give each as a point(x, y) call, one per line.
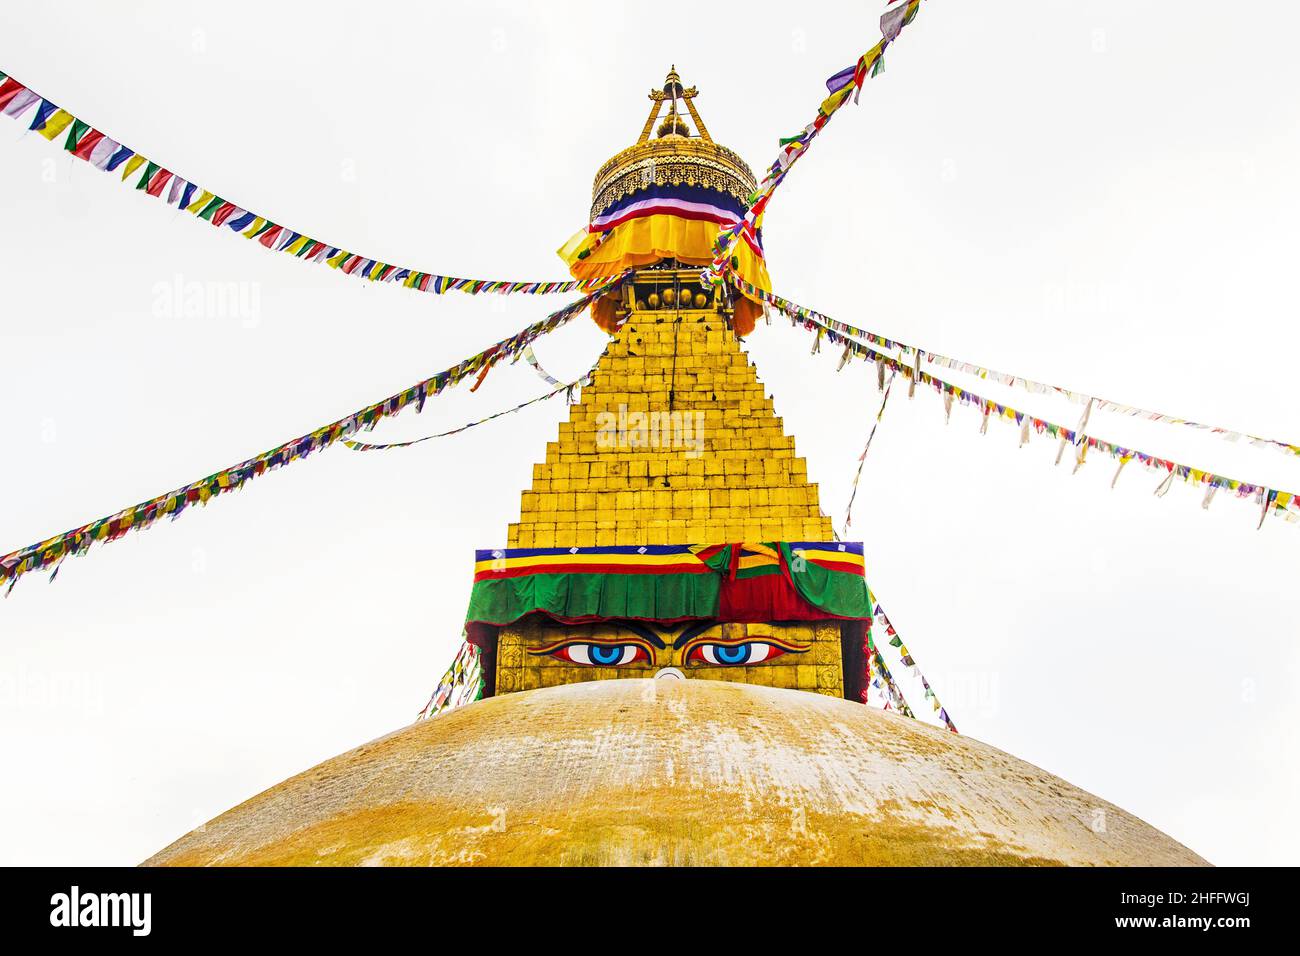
point(539, 653)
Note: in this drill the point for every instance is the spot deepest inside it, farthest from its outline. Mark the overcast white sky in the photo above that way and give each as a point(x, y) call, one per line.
point(1097, 194)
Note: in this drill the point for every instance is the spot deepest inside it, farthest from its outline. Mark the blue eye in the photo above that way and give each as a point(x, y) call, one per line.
point(606, 655)
point(731, 655)
point(596, 655)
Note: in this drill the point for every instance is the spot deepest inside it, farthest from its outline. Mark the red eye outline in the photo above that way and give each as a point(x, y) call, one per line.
point(695, 650)
point(572, 652)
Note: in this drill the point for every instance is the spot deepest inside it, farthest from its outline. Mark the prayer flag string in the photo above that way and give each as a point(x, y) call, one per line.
point(462, 683)
point(86, 143)
point(1272, 501)
point(371, 446)
point(896, 642)
point(862, 459)
point(843, 85)
point(49, 554)
point(885, 683)
point(796, 311)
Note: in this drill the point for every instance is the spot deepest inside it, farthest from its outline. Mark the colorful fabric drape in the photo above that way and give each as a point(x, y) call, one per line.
point(87, 143)
point(778, 581)
point(829, 576)
point(796, 311)
point(652, 236)
point(662, 583)
point(48, 554)
point(667, 221)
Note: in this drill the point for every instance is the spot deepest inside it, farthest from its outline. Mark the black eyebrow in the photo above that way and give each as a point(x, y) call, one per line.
point(640, 630)
point(699, 627)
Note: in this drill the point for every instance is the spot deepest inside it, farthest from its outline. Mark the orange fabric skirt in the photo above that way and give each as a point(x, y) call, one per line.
point(649, 239)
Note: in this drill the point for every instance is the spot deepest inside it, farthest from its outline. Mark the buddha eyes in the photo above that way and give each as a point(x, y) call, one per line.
point(698, 651)
point(732, 655)
point(601, 655)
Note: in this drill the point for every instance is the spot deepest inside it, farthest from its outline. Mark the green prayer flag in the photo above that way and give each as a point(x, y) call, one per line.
point(215, 203)
point(75, 132)
point(149, 169)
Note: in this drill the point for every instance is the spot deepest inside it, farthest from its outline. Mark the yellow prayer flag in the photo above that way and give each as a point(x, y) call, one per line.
point(132, 164)
point(204, 198)
point(56, 124)
point(251, 231)
point(575, 244)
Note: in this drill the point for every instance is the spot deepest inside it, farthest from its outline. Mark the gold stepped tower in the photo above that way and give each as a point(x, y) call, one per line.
point(674, 442)
point(718, 465)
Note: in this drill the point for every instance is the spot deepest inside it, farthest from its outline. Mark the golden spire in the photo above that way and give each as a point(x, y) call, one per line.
point(674, 124)
point(674, 156)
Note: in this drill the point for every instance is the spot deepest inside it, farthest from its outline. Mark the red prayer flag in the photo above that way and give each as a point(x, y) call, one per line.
point(223, 213)
point(88, 144)
point(159, 181)
point(8, 90)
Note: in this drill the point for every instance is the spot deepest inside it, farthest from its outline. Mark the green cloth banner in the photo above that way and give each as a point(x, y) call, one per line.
point(570, 596)
point(835, 592)
point(667, 583)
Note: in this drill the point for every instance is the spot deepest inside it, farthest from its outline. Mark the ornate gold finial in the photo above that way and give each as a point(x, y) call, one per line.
point(673, 83)
point(674, 156)
point(674, 124)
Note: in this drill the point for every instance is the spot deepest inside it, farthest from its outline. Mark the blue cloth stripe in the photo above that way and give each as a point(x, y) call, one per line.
point(849, 547)
point(632, 549)
point(701, 194)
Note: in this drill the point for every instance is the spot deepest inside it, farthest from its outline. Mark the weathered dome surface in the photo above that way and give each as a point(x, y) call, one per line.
point(630, 772)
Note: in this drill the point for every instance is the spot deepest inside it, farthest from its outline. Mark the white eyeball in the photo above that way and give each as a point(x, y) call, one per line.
point(602, 655)
point(732, 655)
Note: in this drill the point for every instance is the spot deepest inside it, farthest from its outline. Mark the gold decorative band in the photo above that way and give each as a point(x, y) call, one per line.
point(671, 161)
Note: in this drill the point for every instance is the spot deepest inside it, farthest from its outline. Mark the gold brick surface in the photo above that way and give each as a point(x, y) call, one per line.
point(674, 442)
